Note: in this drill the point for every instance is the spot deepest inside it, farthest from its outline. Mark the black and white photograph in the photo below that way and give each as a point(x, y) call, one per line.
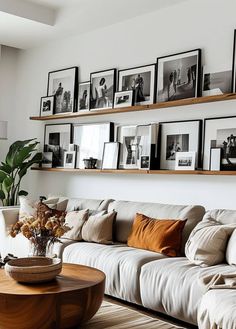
point(47, 159)
point(179, 136)
point(90, 139)
point(178, 76)
point(185, 161)
point(84, 94)
point(69, 159)
point(56, 140)
point(220, 133)
point(142, 81)
point(47, 106)
point(102, 90)
point(110, 155)
point(217, 83)
point(63, 84)
point(123, 98)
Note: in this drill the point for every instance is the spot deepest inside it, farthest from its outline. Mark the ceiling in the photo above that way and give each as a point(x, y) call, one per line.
point(31, 23)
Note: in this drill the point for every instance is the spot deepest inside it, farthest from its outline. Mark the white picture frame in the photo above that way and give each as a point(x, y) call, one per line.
point(83, 96)
point(185, 161)
point(110, 156)
point(70, 159)
point(47, 106)
point(123, 99)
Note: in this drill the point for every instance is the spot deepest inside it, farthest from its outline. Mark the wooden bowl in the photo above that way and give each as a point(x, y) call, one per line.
point(33, 269)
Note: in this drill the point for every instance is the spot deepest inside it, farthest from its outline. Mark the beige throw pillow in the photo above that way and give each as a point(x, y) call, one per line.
point(207, 243)
point(231, 249)
point(99, 228)
point(75, 220)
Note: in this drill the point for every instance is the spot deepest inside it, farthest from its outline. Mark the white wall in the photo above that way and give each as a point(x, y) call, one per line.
point(206, 24)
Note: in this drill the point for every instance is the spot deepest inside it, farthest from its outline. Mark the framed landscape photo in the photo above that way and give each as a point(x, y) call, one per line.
point(63, 84)
point(216, 83)
point(57, 138)
point(123, 98)
point(185, 161)
point(178, 76)
point(84, 94)
point(179, 136)
point(47, 159)
point(47, 106)
point(142, 81)
point(221, 133)
point(102, 90)
point(110, 155)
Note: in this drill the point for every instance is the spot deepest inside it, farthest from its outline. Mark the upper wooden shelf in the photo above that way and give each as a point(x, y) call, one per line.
point(182, 102)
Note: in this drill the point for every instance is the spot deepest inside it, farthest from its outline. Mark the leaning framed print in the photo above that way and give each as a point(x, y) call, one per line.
point(84, 94)
point(47, 106)
point(102, 90)
point(185, 161)
point(179, 136)
point(178, 76)
point(57, 138)
point(141, 80)
point(63, 84)
point(110, 156)
point(123, 98)
point(220, 132)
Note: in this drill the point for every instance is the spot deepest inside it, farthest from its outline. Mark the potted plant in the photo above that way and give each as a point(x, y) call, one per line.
point(20, 157)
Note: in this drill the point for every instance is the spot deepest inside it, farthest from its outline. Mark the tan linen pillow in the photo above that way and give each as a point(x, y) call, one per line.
point(99, 228)
point(75, 220)
point(207, 243)
point(231, 249)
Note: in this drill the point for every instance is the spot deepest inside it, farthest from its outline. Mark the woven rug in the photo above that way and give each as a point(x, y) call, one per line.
point(112, 316)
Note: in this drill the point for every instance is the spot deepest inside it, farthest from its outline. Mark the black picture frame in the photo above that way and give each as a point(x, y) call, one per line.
point(63, 98)
point(97, 103)
point(138, 69)
point(233, 87)
point(48, 108)
point(116, 155)
point(193, 77)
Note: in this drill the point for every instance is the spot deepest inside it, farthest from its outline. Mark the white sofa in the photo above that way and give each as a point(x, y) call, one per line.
point(164, 284)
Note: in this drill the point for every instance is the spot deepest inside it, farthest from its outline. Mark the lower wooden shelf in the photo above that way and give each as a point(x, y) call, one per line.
point(139, 172)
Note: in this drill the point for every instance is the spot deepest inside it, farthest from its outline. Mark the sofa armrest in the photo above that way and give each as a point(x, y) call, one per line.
point(8, 217)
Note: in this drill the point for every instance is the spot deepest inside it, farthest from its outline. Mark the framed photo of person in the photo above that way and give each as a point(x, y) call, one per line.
point(69, 159)
point(185, 161)
point(178, 76)
point(141, 80)
point(123, 98)
point(102, 90)
point(63, 84)
point(110, 156)
point(220, 132)
point(57, 138)
point(84, 94)
point(179, 136)
point(47, 106)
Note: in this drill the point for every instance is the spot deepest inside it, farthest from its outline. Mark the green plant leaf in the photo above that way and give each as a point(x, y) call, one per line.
point(6, 168)
point(37, 158)
point(3, 175)
point(22, 192)
point(7, 185)
point(24, 154)
point(2, 195)
point(14, 150)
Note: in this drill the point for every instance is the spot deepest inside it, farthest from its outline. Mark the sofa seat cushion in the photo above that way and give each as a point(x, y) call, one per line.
point(172, 286)
point(120, 263)
point(218, 309)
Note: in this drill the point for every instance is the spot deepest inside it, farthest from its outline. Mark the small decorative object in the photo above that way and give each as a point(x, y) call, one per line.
point(123, 99)
point(84, 94)
point(47, 106)
point(90, 163)
point(63, 84)
point(142, 81)
point(220, 132)
point(110, 155)
point(179, 136)
point(33, 269)
point(215, 158)
point(178, 76)
point(6, 260)
point(217, 83)
point(69, 161)
point(103, 86)
point(47, 160)
point(234, 65)
point(57, 139)
point(185, 161)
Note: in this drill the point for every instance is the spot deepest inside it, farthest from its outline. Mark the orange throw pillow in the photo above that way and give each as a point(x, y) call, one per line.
point(163, 236)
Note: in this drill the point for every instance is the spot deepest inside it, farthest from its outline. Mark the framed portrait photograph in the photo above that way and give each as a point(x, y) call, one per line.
point(47, 159)
point(185, 161)
point(63, 84)
point(102, 89)
point(142, 81)
point(216, 83)
point(178, 76)
point(90, 139)
point(69, 159)
point(123, 98)
point(57, 138)
point(84, 94)
point(179, 136)
point(220, 132)
point(47, 106)
point(110, 156)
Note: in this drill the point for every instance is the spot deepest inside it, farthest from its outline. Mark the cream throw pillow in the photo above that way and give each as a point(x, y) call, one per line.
point(75, 220)
point(99, 228)
point(231, 249)
point(207, 243)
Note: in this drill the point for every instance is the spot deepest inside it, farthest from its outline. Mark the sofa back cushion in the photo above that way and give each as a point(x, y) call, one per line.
point(75, 204)
point(222, 216)
point(126, 211)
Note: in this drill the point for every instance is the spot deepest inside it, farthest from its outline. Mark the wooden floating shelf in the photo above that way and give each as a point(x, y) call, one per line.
point(177, 103)
point(139, 172)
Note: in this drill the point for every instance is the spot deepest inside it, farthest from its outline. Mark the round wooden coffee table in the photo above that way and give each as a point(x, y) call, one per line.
point(69, 300)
